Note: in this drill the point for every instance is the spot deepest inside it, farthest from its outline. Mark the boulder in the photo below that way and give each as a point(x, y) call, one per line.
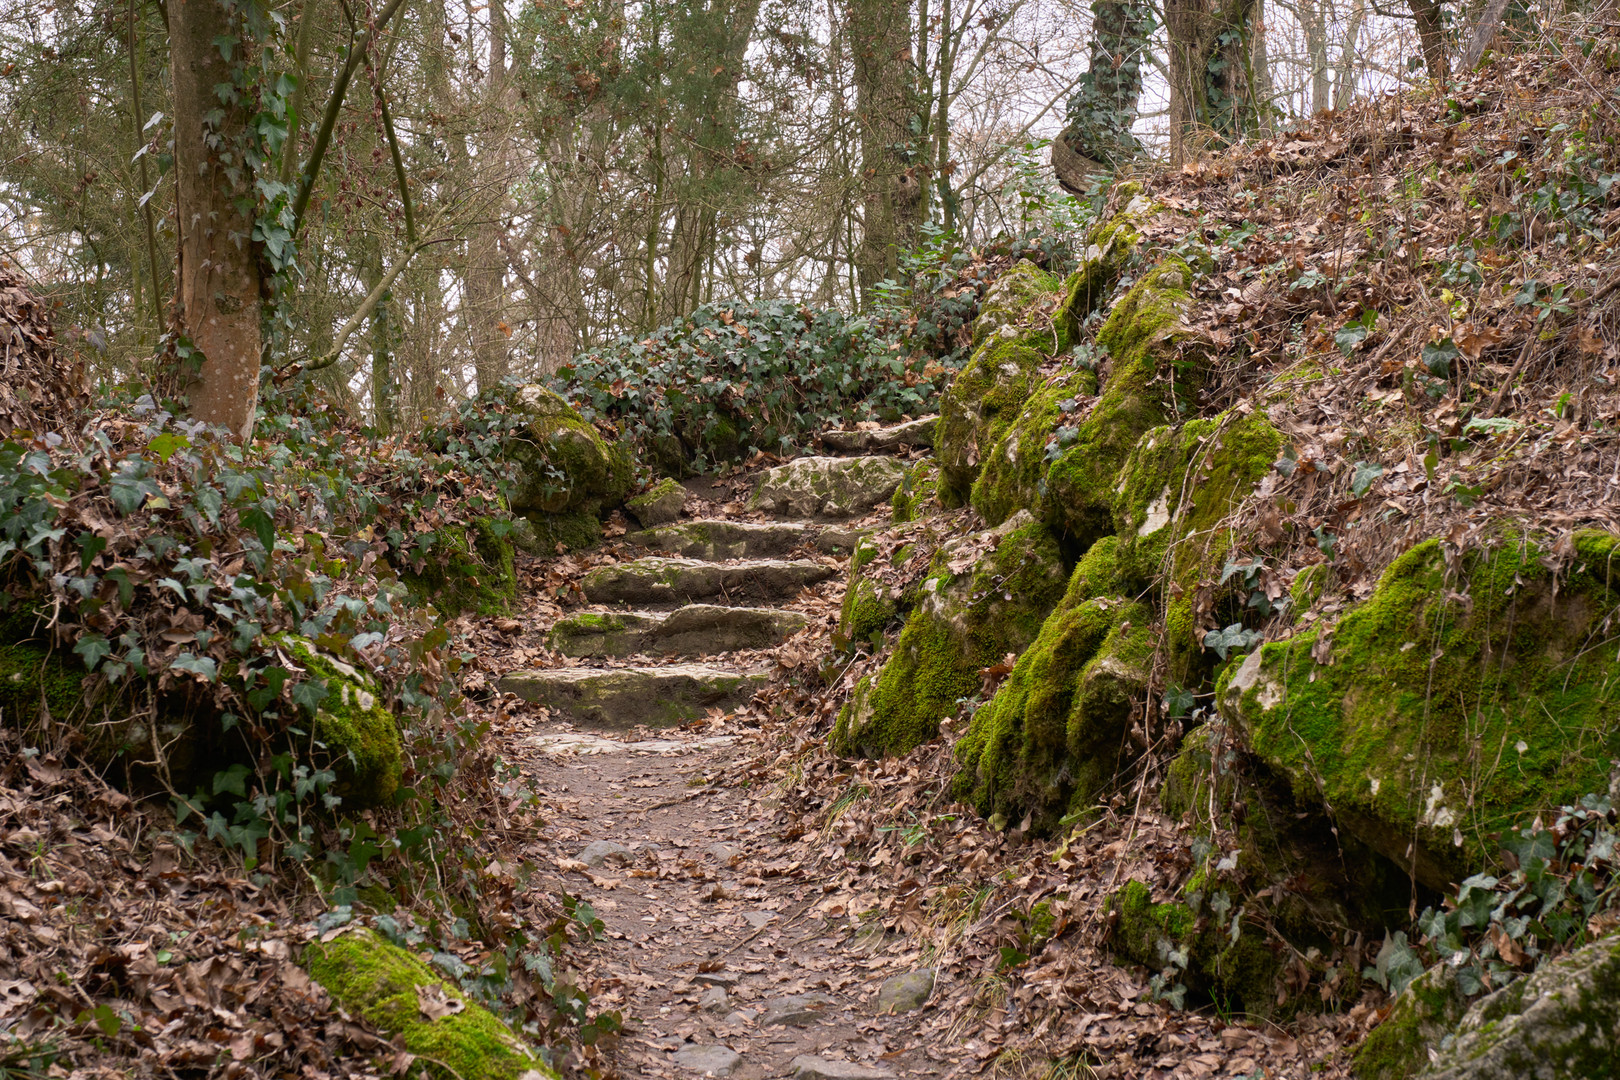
point(616, 699)
point(868, 607)
point(397, 992)
point(1423, 1015)
point(918, 432)
point(467, 569)
point(674, 581)
point(1054, 734)
point(828, 487)
point(986, 595)
point(693, 630)
point(796, 1010)
point(658, 505)
point(809, 1067)
point(918, 490)
point(359, 735)
point(906, 992)
point(1462, 697)
point(1011, 338)
point(563, 463)
point(1560, 1023)
point(708, 1060)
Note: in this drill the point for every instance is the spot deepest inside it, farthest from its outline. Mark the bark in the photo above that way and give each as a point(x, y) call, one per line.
point(1313, 20)
point(485, 277)
point(1211, 96)
point(1102, 110)
point(1344, 85)
point(1484, 30)
point(221, 287)
point(1431, 37)
point(886, 107)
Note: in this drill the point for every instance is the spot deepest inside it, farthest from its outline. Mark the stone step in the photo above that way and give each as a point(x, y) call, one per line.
point(717, 540)
point(828, 487)
point(674, 581)
point(617, 699)
point(693, 630)
point(919, 432)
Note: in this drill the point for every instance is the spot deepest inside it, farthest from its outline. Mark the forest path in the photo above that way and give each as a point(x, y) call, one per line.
point(715, 948)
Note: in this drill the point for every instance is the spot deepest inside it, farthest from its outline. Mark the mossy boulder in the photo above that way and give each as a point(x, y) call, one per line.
point(868, 607)
point(354, 732)
point(1108, 246)
point(1149, 379)
point(397, 992)
point(1013, 476)
point(1462, 697)
point(564, 465)
point(468, 569)
point(918, 490)
point(1560, 1023)
point(985, 595)
point(828, 487)
point(1421, 1016)
point(1054, 734)
point(1191, 941)
point(1012, 336)
point(658, 505)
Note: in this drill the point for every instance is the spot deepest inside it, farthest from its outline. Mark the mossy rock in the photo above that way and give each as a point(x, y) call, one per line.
point(357, 736)
point(1011, 338)
point(1013, 476)
point(470, 570)
point(868, 608)
point(1142, 338)
point(564, 464)
point(1457, 703)
point(1238, 976)
point(555, 533)
point(918, 490)
point(1421, 1016)
point(659, 504)
point(1052, 736)
point(397, 992)
point(1108, 246)
point(965, 620)
point(1561, 1022)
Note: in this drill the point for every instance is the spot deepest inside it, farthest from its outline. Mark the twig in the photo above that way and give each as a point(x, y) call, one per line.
point(1518, 366)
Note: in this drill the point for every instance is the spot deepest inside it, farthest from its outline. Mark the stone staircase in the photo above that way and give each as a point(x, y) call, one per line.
point(699, 613)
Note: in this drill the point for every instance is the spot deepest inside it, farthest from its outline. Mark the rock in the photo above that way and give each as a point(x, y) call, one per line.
point(658, 505)
point(617, 699)
point(797, 1009)
point(393, 989)
point(1011, 339)
point(361, 736)
point(675, 581)
point(1055, 729)
point(817, 487)
point(741, 1017)
point(986, 595)
point(834, 541)
point(758, 919)
point(693, 630)
point(919, 432)
point(716, 978)
point(1438, 662)
point(720, 852)
point(806, 1067)
point(903, 993)
point(714, 1000)
point(1561, 1022)
point(716, 540)
point(918, 491)
point(563, 463)
point(598, 852)
point(1421, 1016)
point(708, 1060)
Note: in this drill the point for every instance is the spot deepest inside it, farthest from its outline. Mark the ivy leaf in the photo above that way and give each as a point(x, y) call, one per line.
point(1178, 701)
point(94, 648)
point(1366, 472)
point(201, 666)
point(1233, 639)
point(263, 526)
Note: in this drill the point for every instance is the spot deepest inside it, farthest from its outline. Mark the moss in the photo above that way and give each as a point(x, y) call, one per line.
point(1421, 1015)
point(1238, 976)
point(1108, 245)
point(360, 736)
point(389, 987)
point(1306, 588)
point(467, 571)
point(663, 489)
point(564, 464)
point(919, 489)
point(1011, 336)
point(867, 608)
point(1141, 339)
point(1413, 732)
point(1014, 471)
point(575, 531)
point(32, 679)
point(963, 622)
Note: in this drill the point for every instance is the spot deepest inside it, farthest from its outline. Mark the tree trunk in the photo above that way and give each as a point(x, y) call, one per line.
point(1431, 37)
point(1313, 20)
point(221, 286)
point(885, 111)
point(1102, 109)
point(1344, 83)
point(486, 266)
point(1211, 91)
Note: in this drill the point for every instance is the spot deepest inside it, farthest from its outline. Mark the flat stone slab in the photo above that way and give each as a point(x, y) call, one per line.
point(919, 432)
point(904, 993)
point(598, 852)
point(708, 1060)
point(584, 743)
point(806, 1067)
point(616, 699)
point(828, 487)
point(675, 581)
point(725, 539)
point(797, 1010)
point(694, 630)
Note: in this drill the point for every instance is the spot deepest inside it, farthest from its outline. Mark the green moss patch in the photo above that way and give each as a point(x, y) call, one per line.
point(397, 992)
point(1457, 702)
point(360, 737)
point(467, 571)
point(564, 464)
